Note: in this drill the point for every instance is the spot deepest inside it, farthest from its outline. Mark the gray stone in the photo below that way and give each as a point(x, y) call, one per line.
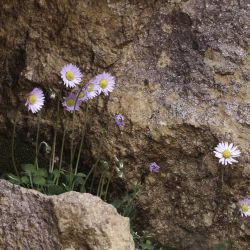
point(31, 220)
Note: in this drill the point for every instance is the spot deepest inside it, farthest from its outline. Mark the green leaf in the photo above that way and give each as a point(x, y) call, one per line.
point(56, 173)
point(13, 179)
point(41, 172)
point(55, 189)
point(39, 180)
point(81, 174)
point(78, 180)
point(69, 177)
point(66, 187)
point(25, 180)
point(28, 168)
point(220, 247)
point(50, 182)
point(82, 189)
point(147, 245)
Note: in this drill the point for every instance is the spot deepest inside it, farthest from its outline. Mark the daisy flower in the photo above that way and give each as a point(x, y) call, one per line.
point(35, 100)
point(71, 75)
point(154, 168)
point(245, 207)
point(83, 97)
point(70, 102)
point(105, 83)
point(226, 153)
point(92, 89)
point(119, 120)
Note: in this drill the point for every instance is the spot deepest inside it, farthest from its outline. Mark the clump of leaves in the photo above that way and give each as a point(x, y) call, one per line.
point(51, 183)
point(220, 246)
point(144, 241)
point(126, 205)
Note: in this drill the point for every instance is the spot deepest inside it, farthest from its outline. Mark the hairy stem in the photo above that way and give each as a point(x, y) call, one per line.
point(92, 181)
point(222, 175)
point(62, 148)
point(107, 187)
point(72, 151)
point(99, 186)
point(102, 185)
point(31, 182)
point(97, 161)
point(90, 172)
point(13, 146)
point(37, 138)
point(82, 139)
point(55, 135)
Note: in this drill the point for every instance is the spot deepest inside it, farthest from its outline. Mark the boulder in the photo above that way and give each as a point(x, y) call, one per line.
point(31, 220)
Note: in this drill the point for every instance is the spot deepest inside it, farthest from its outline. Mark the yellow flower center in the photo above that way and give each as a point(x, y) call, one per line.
point(70, 102)
point(103, 83)
point(244, 208)
point(90, 87)
point(227, 153)
point(32, 99)
point(81, 95)
point(70, 75)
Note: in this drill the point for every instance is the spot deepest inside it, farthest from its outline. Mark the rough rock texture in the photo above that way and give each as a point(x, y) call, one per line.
point(30, 220)
point(182, 70)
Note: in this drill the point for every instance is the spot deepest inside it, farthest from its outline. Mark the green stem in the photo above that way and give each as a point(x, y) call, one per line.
point(40, 145)
point(55, 135)
point(103, 181)
point(99, 186)
point(92, 181)
point(72, 151)
point(97, 161)
point(90, 172)
point(13, 146)
point(222, 175)
point(62, 148)
point(71, 148)
point(31, 182)
point(81, 143)
point(37, 139)
point(107, 187)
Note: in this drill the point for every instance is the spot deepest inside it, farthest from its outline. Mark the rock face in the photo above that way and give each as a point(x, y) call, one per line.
point(182, 73)
point(30, 220)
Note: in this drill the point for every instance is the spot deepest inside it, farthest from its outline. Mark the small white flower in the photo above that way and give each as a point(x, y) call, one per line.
point(245, 207)
point(226, 153)
point(92, 89)
point(71, 75)
point(105, 83)
point(35, 100)
point(82, 97)
point(70, 103)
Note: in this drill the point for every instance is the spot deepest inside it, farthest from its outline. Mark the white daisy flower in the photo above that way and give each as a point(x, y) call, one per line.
point(226, 153)
point(92, 89)
point(35, 100)
point(71, 75)
point(70, 103)
point(245, 207)
point(82, 97)
point(105, 83)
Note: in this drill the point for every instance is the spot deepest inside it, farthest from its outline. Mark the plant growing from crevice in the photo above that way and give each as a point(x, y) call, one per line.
point(64, 176)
